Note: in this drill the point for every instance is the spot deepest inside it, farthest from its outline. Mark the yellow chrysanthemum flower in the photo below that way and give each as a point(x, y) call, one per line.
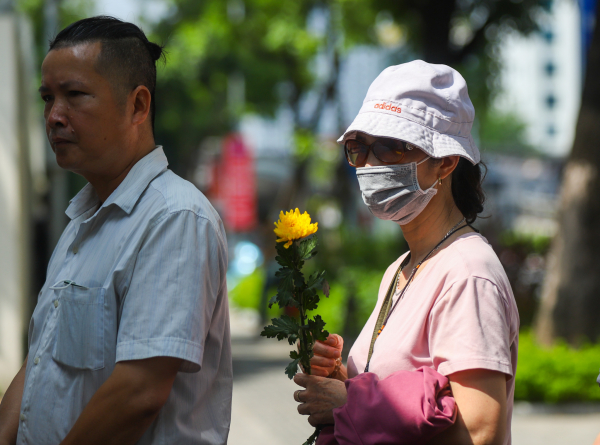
point(292, 226)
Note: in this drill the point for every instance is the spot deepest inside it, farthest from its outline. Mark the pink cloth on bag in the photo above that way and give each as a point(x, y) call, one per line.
point(407, 407)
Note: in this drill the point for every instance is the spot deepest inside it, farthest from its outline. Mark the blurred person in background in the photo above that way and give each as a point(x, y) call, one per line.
point(129, 341)
point(445, 308)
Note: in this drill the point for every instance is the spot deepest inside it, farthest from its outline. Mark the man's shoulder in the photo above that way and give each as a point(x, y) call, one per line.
point(174, 194)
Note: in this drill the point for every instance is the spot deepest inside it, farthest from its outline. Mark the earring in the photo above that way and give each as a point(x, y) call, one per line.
point(439, 180)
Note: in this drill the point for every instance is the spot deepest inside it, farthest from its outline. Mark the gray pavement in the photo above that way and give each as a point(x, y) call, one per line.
point(264, 411)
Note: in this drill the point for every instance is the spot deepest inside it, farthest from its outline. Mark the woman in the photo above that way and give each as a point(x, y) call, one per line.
point(446, 304)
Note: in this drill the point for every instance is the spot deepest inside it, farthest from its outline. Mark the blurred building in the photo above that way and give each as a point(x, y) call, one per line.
point(22, 182)
point(542, 78)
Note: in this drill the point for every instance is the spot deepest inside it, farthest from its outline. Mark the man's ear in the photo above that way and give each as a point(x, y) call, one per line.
point(140, 98)
point(448, 165)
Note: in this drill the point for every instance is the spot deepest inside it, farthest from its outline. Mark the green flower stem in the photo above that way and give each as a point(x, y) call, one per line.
point(304, 346)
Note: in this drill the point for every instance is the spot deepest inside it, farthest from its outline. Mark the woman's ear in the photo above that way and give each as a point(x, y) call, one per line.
point(447, 166)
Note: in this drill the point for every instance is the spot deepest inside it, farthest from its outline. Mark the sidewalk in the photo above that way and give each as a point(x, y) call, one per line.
point(264, 411)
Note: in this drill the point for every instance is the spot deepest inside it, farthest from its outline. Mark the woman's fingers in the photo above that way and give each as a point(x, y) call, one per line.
point(320, 372)
point(325, 350)
point(301, 380)
point(335, 341)
point(319, 398)
point(322, 362)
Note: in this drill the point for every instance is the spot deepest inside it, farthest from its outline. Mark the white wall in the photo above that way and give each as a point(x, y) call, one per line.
point(22, 183)
point(11, 224)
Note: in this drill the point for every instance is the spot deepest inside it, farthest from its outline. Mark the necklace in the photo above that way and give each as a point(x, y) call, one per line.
point(450, 232)
point(383, 315)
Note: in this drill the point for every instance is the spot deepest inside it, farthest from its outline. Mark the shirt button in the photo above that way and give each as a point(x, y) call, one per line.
point(75, 249)
point(22, 417)
point(36, 360)
point(55, 303)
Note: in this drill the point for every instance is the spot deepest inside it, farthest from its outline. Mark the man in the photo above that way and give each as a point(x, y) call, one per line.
point(129, 342)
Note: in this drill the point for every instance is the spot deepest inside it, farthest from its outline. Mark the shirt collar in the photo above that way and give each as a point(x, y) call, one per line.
point(126, 195)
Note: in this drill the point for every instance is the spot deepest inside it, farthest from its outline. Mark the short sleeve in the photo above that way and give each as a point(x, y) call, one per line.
point(470, 329)
point(177, 279)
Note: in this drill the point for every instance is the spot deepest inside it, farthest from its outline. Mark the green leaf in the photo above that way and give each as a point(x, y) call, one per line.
point(285, 262)
point(285, 278)
point(292, 368)
point(314, 436)
point(284, 327)
point(315, 327)
point(306, 248)
point(299, 279)
point(285, 257)
point(285, 287)
point(315, 280)
point(310, 299)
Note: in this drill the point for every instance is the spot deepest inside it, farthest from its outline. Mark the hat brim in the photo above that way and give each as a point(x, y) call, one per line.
point(435, 144)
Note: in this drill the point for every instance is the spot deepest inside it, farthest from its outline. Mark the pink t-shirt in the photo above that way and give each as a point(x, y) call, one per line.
point(458, 313)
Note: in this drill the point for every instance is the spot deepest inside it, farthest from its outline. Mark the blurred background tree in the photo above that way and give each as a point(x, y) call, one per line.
point(571, 296)
point(232, 57)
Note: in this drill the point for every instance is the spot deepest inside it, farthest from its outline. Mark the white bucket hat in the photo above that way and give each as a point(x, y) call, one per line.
point(421, 103)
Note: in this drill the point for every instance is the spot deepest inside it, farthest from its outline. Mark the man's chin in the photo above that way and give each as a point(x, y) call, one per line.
point(65, 159)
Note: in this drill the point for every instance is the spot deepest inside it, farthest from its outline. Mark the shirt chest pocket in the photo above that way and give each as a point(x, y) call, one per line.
point(80, 327)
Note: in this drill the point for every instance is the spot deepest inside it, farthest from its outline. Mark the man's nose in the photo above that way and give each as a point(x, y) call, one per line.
point(57, 117)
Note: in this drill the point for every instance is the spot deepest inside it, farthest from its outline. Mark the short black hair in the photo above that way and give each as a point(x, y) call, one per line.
point(127, 57)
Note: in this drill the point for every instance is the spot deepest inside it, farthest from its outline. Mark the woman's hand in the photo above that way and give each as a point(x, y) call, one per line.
point(328, 357)
point(319, 398)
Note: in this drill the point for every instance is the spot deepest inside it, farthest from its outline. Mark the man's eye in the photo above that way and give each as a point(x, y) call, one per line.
point(75, 93)
point(46, 98)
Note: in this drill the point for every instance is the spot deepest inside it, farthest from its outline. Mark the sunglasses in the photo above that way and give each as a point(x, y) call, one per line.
point(388, 151)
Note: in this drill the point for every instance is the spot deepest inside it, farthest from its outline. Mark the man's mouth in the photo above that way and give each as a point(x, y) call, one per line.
point(58, 141)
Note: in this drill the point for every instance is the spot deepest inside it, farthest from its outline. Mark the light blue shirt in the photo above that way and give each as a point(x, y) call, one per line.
point(140, 276)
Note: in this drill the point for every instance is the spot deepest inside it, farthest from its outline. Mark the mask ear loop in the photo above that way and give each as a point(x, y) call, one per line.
point(420, 162)
point(436, 182)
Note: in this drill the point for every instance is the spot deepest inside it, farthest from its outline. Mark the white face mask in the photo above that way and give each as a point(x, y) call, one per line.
point(392, 192)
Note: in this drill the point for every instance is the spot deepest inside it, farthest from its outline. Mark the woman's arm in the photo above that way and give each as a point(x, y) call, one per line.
point(480, 396)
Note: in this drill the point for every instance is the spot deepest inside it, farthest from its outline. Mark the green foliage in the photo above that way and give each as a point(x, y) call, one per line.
point(68, 11)
point(263, 46)
point(530, 243)
point(504, 133)
point(268, 47)
point(557, 374)
point(293, 290)
point(247, 293)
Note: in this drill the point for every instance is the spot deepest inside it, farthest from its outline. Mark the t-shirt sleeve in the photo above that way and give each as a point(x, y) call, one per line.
point(176, 281)
point(470, 328)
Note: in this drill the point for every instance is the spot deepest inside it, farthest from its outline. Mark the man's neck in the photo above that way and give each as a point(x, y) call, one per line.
point(429, 228)
point(106, 184)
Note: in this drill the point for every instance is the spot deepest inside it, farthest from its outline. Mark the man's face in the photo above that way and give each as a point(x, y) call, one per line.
point(85, 123)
